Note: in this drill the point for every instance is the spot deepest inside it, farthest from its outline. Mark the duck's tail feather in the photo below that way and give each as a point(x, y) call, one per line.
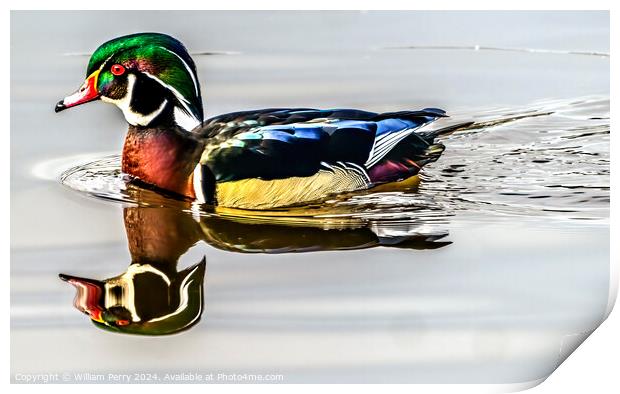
point(441, 128)
point(414, 115)
point(412, 153)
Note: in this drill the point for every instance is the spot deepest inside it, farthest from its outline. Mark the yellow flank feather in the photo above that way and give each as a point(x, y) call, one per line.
point(254, 193)
point(406, 184)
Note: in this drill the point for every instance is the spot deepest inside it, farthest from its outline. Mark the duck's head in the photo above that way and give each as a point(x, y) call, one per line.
point(144, 300)
point(149, 76)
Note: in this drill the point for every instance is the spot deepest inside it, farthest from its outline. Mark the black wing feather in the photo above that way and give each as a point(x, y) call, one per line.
point(249, 144)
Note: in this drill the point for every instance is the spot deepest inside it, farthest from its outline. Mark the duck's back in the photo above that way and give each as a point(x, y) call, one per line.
point(279, 157)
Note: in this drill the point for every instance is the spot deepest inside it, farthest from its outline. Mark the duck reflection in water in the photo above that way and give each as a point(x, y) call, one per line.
point(153, 297)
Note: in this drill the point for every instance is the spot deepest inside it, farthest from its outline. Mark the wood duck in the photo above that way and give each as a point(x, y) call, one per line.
point(257, 160)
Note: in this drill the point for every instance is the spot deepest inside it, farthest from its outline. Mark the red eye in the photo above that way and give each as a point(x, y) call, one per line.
point(117, 69)
point(122, 322)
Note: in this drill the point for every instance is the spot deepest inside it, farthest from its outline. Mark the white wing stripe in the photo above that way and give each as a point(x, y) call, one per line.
point(378, 146)
point(385, 147)
point(392, 137)
point(382, 145)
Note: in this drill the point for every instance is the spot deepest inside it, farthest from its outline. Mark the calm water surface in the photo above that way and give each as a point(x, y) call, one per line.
point(491, 269)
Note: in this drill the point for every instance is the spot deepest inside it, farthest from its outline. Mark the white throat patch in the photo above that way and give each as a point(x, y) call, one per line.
point(134, 118)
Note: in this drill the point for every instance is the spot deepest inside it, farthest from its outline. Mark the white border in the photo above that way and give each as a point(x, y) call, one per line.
point(592, 368)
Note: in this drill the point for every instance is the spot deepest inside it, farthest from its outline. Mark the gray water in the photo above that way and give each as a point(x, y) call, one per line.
point(513, 270)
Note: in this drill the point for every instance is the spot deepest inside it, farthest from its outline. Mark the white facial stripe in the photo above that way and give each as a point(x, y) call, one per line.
point(184, 120)
point(145, 120)
point(189, 70)
point(132, 117)
point(184, 300)
point(178, 95)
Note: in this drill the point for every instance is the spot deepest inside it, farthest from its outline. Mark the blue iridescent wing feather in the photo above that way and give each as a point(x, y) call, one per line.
point(281, 143)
